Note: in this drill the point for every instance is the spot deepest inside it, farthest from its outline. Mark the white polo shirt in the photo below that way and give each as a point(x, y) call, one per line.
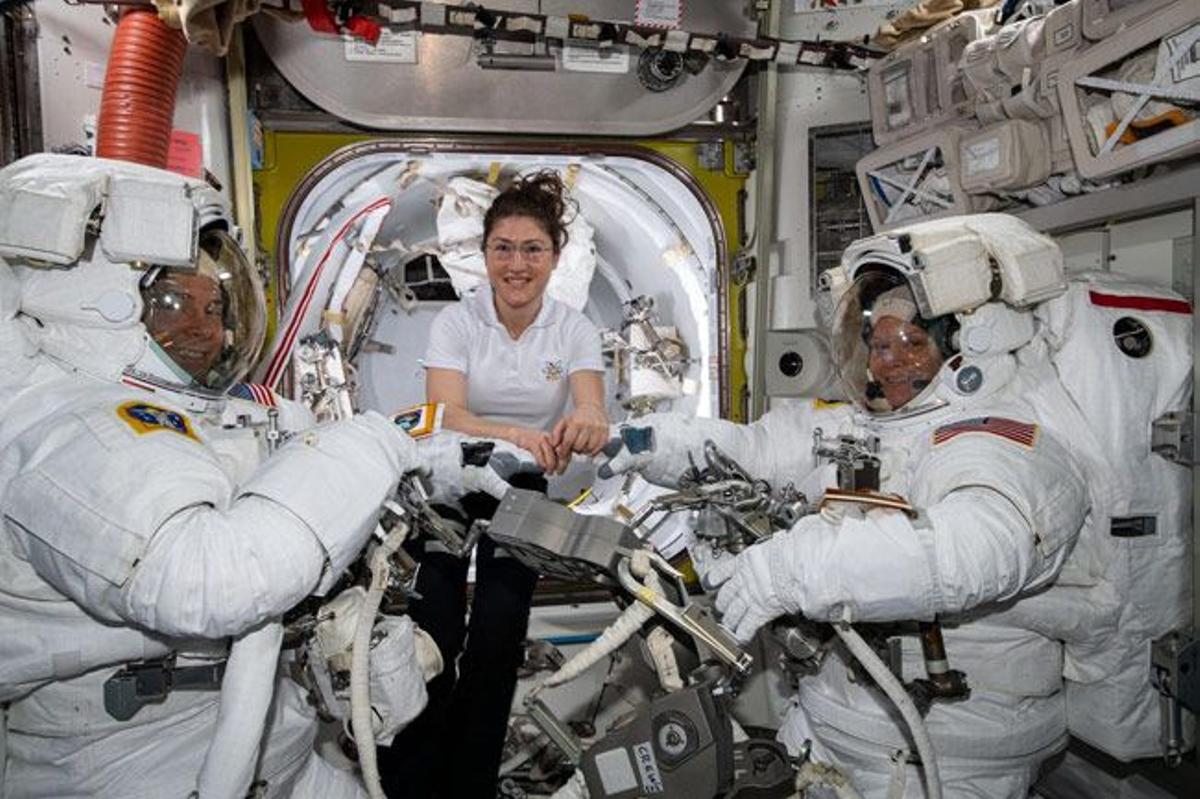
point(522, 382)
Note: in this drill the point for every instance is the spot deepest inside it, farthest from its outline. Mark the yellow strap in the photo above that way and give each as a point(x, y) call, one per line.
point(493, 173)
point(332, 316)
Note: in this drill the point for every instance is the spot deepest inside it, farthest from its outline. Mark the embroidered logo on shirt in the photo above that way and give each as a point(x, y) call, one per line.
point(146, 418)
point(1018, 432)
point(552, 371)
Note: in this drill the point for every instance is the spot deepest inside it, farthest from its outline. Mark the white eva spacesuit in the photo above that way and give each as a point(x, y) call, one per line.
point(143, 517)
point(936, 340)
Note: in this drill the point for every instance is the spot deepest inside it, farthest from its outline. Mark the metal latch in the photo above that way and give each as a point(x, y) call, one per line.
point(1172, 436)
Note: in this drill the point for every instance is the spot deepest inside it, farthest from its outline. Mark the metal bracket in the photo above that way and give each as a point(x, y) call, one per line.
point(1172, 436)
point(691, 619)
point(555, 541)
point(558, 732)
point(857, 459)
point(1175, 672)
point(150, 682)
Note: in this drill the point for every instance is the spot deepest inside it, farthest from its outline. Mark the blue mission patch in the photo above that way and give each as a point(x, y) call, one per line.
point(144, 418)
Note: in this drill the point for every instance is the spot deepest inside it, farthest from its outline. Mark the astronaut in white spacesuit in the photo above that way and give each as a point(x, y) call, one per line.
point(926, 330)
point(145, 523)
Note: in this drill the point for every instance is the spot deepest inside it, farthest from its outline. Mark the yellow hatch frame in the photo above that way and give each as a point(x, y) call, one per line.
point(287, 157)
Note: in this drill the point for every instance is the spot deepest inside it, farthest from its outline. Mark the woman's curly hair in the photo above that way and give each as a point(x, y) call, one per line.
point(542, 197)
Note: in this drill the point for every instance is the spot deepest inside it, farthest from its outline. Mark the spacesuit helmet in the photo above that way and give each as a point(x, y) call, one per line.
point(131, 272)
point(206, 322)
point(933, 313)
point(888, 356)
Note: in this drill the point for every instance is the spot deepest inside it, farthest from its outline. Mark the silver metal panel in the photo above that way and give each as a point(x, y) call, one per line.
point(1175, 189)
point(448, 91)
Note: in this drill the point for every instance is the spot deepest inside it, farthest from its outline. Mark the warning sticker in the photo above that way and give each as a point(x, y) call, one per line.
point(582, 58)
point(393, 47)
point(659, 13)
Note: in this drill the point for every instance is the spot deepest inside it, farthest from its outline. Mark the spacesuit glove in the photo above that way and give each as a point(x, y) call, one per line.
point(441, 457)
point(756, 585)
point(657, 446)
point(713, 567)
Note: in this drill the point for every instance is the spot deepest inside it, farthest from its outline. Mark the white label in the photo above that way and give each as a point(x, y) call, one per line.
point(1184, 65)
point(659, 13)
point(393, 47)
point(982, 156)
point(1064, 34)
point(616, 772)
point(584, 58)
point(648, 768)
point(93, 75)
point(895, 97)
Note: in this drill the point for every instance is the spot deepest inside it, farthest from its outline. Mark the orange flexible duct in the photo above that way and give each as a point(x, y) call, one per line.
point(137, 106)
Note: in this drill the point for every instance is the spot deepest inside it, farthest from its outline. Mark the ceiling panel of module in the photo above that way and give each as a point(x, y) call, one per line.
point(446, 89)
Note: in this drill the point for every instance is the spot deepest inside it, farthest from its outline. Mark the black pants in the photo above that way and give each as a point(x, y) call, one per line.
point(453, 749)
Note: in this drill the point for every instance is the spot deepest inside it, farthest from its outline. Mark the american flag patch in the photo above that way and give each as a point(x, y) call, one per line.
point(1018, 432)
point(255, 392)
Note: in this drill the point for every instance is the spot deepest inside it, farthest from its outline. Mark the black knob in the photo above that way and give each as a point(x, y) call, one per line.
point(790, 363)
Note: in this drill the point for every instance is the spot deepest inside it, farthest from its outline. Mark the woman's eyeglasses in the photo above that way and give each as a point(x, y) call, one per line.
point(531, 251)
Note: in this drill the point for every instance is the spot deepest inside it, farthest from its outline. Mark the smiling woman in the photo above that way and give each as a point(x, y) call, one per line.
point(888, 355)
point(506, 362)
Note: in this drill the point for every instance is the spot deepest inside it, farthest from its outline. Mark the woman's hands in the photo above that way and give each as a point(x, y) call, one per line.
point(539, 444)
point(583, 430)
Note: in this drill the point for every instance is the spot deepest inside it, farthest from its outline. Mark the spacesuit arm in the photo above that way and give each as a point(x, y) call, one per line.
point(179, 550)
point(1000, 523)
point(973, 548)
point(777, 447)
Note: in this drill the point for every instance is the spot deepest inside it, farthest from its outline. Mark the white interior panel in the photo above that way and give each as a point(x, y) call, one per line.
point(654, 236)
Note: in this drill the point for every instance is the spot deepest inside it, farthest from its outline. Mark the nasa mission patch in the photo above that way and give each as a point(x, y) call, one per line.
point(144, 418)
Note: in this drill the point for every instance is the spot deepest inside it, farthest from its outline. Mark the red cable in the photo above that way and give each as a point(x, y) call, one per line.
point(137, 107)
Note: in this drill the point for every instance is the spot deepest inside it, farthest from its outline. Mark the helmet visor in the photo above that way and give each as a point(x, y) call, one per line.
point(887, 356)
point(210, 321)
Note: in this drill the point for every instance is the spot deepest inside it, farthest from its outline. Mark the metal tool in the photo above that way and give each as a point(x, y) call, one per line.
point(857, 459)
point(413, 497)
point(691, 619)
point(741, 510)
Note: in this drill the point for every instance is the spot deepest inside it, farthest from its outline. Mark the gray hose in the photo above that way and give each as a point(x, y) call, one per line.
point(895, 691)
point(360, 661)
